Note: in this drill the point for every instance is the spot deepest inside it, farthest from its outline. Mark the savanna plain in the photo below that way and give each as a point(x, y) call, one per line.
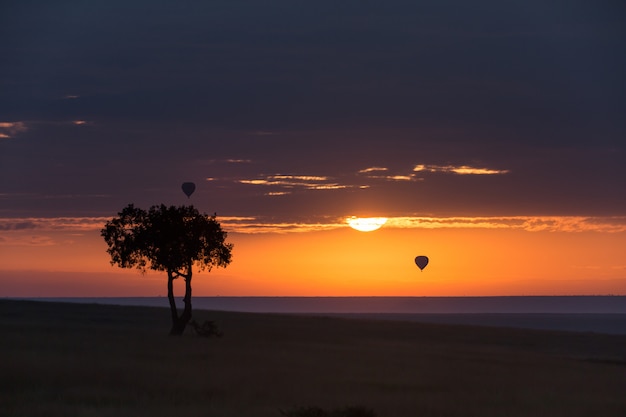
point(97, 360)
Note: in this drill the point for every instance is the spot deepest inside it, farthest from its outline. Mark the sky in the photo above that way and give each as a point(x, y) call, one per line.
point(491, 135)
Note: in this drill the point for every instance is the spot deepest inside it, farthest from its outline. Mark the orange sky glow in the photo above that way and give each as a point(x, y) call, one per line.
point(468, 257)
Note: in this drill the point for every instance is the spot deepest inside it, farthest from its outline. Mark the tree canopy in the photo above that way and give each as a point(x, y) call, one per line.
point(166, 239)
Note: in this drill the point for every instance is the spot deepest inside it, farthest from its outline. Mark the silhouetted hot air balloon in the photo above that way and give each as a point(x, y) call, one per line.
point(188, 188)
point(421, 262)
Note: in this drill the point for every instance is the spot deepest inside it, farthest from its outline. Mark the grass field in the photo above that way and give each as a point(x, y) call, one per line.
point(96, 360)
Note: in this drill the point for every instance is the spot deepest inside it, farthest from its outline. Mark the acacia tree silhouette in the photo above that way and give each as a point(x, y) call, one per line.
point(170, 239)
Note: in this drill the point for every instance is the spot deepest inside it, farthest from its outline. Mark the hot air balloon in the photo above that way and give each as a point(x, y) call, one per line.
point(188, 188)
point(421, 262)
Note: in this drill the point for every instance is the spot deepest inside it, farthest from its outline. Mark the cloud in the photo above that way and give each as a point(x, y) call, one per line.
point(238, 161)
point(255, 225)
point(381, 173)
point(10, 129)
point(567, 224)
point(284, 184)
point(300, 177)
point(527, 223)
point(373, 169)
point(400, 177)
point(67, 224)
point(15, 227)
point(307, 182)
point(460, 170)
point(395, 177)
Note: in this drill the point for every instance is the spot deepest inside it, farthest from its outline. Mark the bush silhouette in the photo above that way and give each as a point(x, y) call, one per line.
point(312, 411)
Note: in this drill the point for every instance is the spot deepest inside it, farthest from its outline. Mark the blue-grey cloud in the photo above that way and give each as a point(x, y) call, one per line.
point(122, 101)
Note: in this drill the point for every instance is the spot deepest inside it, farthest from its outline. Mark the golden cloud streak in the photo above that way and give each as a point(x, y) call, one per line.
point(327, 186)
point(461, 170)
point(395, 177)
point(373, 169)
point(255, 182)
point(380, 173)
point(298, 177)
point(289, 184)
point(466, 170)
point(400, 177)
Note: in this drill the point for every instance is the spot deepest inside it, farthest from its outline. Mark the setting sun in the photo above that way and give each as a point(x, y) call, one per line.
point(366, 224)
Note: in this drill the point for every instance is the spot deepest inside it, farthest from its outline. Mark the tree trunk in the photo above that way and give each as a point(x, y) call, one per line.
point(186, 316)
point(173, 311)
point(179, 323)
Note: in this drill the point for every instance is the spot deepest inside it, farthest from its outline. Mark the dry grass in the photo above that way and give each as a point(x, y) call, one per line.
point(94, 360)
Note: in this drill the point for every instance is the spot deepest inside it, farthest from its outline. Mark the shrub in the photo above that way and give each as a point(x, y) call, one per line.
point(312, 411)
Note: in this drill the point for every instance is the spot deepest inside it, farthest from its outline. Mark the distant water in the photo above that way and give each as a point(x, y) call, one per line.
point(603, 314)
point(396, 305)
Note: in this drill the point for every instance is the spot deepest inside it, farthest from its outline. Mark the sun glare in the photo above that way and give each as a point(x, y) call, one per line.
point(366, 224)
